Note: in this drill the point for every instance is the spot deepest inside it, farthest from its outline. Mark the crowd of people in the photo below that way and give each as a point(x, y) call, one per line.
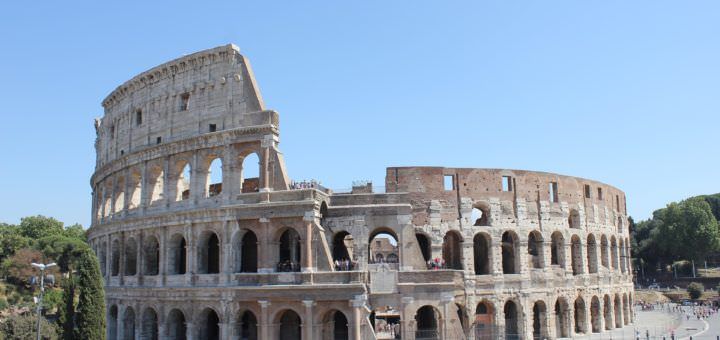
point(311, 184)
point(389, 329)
point(345, 265)
point(436, 264)
point(288, 266)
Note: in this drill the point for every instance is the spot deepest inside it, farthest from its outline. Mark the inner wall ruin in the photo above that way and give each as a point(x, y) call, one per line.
point(201, 234)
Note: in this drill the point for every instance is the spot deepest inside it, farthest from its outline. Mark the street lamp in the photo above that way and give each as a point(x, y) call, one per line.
point(42, 268)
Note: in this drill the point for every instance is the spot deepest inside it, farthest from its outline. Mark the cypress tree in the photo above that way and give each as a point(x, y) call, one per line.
point(66, 320)
point(90, 315)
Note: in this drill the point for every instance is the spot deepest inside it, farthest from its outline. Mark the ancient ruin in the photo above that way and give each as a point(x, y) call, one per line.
point(201, 234)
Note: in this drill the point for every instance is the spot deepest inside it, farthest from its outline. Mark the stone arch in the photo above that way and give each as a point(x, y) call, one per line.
point(115, 258)
point(510, 255)
point(107, 199)
point(618, 311)
point(209, 324)
point(535, 249)
point(250, 172)
point(619, 224)
point(183, 176)
point(130, 256)
point(574, 219)
point(576, 255)
point(557, 249)
point(623, 257)
point(149, 327)
point(335, 326)
point(607, 312)
point(512, 320)
point(485, 321)
point(129, 324)
point(376, 244)
point(245, 252)
point(480, 215)
point(289, 325)
point(452, 250)
point(425, 246)
point(481, 253)
point(614, 252)
point(592, 254)
point(540, 328)
point(151, 256)
point(102, 257)
point(209, 253)
point(247, 326)
point(119, 194)
point(176, 325)
point(427, 319)
point(135, 189)
point(562, 318)
point(626, 309)
point(595, 320)
point(289, 251)
point(580, 316)
point(604, 252)
point(343, 246)
point(156, 183)
point(177, 255)
point(112, 322)
point(214, 179)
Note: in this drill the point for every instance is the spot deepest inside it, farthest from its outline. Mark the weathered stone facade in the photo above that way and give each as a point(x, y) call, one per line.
point(523, 254)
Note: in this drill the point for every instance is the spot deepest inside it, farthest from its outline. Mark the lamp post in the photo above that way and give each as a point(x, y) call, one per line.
point(42, 268)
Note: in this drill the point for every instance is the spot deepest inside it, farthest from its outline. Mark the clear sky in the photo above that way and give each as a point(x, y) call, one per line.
point(624, 92)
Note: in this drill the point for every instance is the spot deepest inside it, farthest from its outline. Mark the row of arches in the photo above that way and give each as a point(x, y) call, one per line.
point(127, 325)
point(178, 180)
point(480, 216)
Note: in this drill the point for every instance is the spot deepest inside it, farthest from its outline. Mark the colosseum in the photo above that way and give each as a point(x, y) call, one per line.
point(202, 234)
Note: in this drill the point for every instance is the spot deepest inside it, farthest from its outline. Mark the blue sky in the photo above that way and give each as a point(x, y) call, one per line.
point(624, 92)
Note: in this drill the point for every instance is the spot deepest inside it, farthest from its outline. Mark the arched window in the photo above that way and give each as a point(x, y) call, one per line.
point(250, 173)
point(480, 215)
point(176, 326)
point(289, 252)
point(607, 314)
point(481, 253)
point(604, 252)
point(512, 329)
point(540, 330)
point(335, 326)
point(130, 257)
point(574, 219)
point(215, 178)
point(619, 224)
point(112, 322)
point(247, 326)
point(618, 312)
point(119, 194)
point(115, 261)
point(151, 256)
point(343, 246)
point(424, 244)
point(592, 254)
point(576, 255)
point(535, 249)
point(177, 255)
point(149, 330)
point(626, 309)
point(426, 320)
point(557, 249)
point(245, 252)
point(156, 183)
point(129, 324)
point(562, 322)
point(290, 326)
point(102, 257)
point(135, 189)
point(580, 317)
point(509, 253)
point(209, 254)
point(484, 321)
point(595, 315)
point(182, 186)
point(623, 257)
point(210, 325)
point(452, 250)
point(384, 242)
point(614, 252)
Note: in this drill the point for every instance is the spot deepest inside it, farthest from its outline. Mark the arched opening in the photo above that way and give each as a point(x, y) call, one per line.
point(592, 254)
point(383, 242)
point(214, 178)
point(176, 327)
point(452, 250)
point(107, 203)
point(607, 314)
point(535, 249)
point(156, 184)
point(250, 173)
point(135, 188)
point(614, 252)
point(102, 257)
point(481, 253)
point(580, 317)
point(509, 253)
point(149, 330)
point(512, 329)
point(576, 255)
point(209, 254)
point(151, 256)
point(619, 224)
point(540, 331)
point(595, 315)
point(209, 325)
point(130, 257)
point(562, 319)
point(621, 249)
point(480, 215)
point(247, 327)
point(112, 322)
point(618, 312)
point(574, 219)
point(484, 321)
point(182, 187)
point(604, 252)
point(119, 194)
point(626, 310)
point(248, 253)
point(115, 260)
point(290, 326)
point(557, 249)
point(426, 320)
point(177, 255)
point(289, 256)
point(343, 251)
point(335, 326)
point(424, 244)
point(129, 324)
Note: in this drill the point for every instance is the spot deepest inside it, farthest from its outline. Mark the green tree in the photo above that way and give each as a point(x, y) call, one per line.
point(687, 230)
point(23, 327)
point(36, 227)
point(695, 290)
point(67, 310)
point(75, 231)
point(11, 240)
point(66, 251)
point(90, 316)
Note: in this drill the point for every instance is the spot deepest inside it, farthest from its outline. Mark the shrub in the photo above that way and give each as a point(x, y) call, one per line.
point(21, 327)
point(695, 290)
point(3, 304)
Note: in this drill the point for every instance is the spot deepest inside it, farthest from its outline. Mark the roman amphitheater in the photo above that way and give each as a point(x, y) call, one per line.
point(202, 234)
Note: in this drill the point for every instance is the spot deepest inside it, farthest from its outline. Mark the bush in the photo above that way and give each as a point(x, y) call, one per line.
point(3, 304)
point(14, 298)
point(695, 290)
point(21, 327)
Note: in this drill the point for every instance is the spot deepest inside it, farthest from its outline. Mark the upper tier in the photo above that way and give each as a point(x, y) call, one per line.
point(207, 91)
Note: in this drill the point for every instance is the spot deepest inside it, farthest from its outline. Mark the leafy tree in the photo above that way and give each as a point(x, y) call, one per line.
point(75, 231)
point(23, 327)
point(65, 250)
point(688, 230)
point(66, 319)
point(695, 290)
point(90, 316)
point(17, 268)
point(11, 240)
point(36, 227)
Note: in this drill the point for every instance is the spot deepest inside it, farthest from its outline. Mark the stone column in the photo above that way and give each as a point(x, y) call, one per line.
point(140, 258)
point(108, 259)
point(446, 300)
point(308, 260)
point(266, 145)
point(189, 253)
point(496, 255)
point(162, 260)
point(120, 328)
point(113, 194)
point(525, 264)
point(404, 320)
point(144, 188)
point(265, 265)
point(357, 304)
point(197, 184)
point(226, 254)
point(229, 182)
point(121, 256)
point(190, 333)
point(167, 190)
point(264, 319)
point(307, 325)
